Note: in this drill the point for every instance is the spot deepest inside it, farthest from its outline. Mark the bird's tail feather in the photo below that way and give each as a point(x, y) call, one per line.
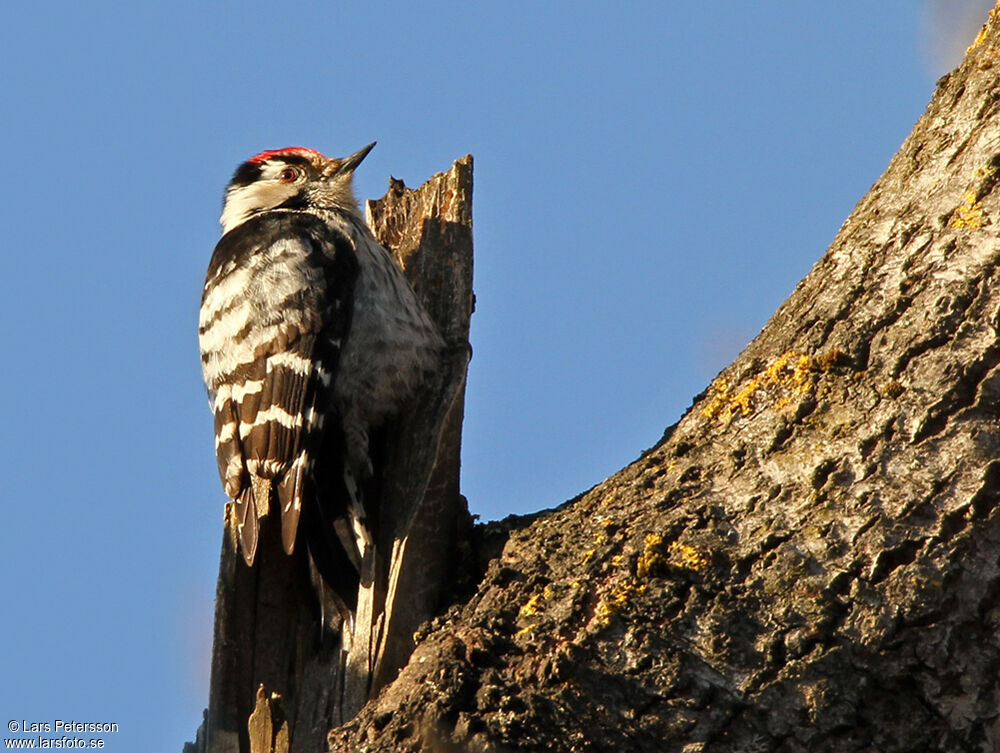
point(290, 491)
point(246, 524)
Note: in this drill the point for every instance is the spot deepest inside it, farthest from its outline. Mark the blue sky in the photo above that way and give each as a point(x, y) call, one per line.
point(651, 182)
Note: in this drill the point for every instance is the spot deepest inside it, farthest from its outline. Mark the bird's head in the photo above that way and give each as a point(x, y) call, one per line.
point(291, 178)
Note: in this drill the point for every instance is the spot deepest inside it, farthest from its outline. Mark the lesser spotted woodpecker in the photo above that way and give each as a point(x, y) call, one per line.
point(310, 337)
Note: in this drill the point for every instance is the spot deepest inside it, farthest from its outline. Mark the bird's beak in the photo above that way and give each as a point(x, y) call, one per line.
point(349, 164)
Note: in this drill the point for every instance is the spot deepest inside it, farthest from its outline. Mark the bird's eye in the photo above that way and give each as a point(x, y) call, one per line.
point(288, 175)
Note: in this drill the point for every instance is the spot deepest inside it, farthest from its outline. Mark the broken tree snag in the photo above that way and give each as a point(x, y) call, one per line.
point(268, 660)
point(810, 559)
point(429, 231)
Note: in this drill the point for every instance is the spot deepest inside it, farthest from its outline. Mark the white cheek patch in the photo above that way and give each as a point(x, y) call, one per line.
point(237, 207)
point(242, 202)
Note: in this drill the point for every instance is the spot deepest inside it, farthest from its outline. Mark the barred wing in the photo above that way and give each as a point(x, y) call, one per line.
point(275, 311)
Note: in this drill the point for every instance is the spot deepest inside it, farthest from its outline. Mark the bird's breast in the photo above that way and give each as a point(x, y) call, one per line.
point(392, 343)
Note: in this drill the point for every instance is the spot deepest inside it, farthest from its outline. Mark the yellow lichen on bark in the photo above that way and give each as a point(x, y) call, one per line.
point(651, 560)
point(689, 558)
point(793, 373)
point(969, 214)
point(616, 600)
point(531, 607)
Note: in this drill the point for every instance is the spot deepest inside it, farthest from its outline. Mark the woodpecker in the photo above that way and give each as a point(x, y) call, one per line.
point(311, 337)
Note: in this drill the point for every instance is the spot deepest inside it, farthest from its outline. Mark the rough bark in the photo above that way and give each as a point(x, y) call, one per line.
point(808, 560)
point(277, 685)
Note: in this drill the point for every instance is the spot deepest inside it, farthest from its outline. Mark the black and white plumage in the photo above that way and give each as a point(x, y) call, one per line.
point(310, 337)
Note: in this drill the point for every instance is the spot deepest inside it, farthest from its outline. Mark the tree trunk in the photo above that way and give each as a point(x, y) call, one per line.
point(277, 685)
point(810, 559)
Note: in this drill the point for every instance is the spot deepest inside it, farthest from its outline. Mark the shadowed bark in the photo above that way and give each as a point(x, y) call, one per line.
point(810, 559)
